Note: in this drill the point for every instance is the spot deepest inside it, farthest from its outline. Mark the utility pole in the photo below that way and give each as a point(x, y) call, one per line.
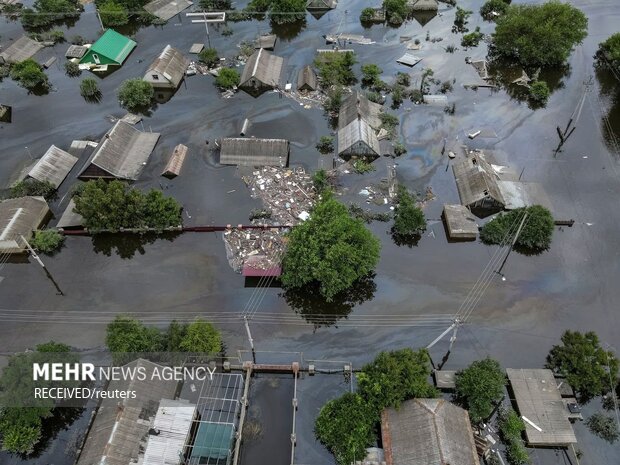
point(215, 17)
point(247, 328)
point(38, 259)
point(514, 240)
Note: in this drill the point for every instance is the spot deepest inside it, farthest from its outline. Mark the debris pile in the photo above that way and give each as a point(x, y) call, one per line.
point(244, 243)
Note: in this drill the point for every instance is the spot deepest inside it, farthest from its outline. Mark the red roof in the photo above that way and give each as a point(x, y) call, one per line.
point(260, 265)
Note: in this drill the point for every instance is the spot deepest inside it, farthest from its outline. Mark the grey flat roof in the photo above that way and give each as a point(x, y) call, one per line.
point(53, 166)
point(166, 9)
point(20, 50)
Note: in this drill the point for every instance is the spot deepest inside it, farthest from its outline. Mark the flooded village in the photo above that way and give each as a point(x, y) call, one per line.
point(233, 176)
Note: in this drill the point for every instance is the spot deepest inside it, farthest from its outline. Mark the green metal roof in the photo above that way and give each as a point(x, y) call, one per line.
point(213, 441)
point(113, 45)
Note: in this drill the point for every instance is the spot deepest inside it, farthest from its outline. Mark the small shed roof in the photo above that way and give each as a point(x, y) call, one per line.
point(476, 180)
point(409, 60)
point(174, 165)
point(20, 217)
point(171, 63)
point(423, 5)
point(254, 152)
point(113, 45)
point(539, 400)
point(76, 51)
point(69, 218)
point(306, 79)
point(166, 9)
point(263, 66)
point(321, 4)
point(358, 131)
point(53, 166)
point(123, 151)
point(20, 50)
point(196, 48)
point(445, 379)
point(461, 223)
point(267, 41)
point(357, 106)
point(428, 432)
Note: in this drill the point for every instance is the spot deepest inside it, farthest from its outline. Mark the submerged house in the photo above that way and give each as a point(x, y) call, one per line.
point(19, 218)
point(53, 166)
point(20, 50)
point(358, 106)
point(168, 69)
point(111, 49)
point(478, 184)
point(357, 123)
point(423, 5)
point(321, 5)
point(167, 9)
point(306, 79)
point(261, 73)
point(121, 154)
point(254, 152)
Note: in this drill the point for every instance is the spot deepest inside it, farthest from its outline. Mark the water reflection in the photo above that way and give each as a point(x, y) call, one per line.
point(609, 86)
point(288, 31)
point(126, 245)
point(61, 420)
point(308, 302)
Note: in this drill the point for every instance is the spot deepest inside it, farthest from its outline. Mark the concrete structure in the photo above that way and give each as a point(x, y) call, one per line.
point(539, 401)
point(111, 49)
point(121, 154)
point(428, 432)
point(168, 69)
point(53, 166)
point(20, 50)
point(460, 222)
point(261, 73)
point(167, 9)
point(254, 152)
point(20, 217)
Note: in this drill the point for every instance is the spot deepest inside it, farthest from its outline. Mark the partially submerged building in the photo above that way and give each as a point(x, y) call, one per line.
point(174, 165)
point(168, 69)
point(261, 73)
point(540, 404)
point(5, 113)
point(266, 41)
point(53, 166)
point(321, 5)
point(306, 79)
point(111, 49)
point(20, 50)
point(357, 106)
point(428, 432)
point(357, 121)
point(460, 222)
point(19, 218)
point(254, 152)
point(70, 219)
point(423, 5)
point(167, 9)
point(477, 184)
point(122, 154)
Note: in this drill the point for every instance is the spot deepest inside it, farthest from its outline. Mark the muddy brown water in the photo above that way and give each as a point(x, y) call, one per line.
point(572, 286)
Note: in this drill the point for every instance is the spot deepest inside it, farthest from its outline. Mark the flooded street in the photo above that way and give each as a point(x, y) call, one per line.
point(571, 286)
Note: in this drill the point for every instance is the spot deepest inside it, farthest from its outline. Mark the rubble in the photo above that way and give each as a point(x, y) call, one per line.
point(244, 243)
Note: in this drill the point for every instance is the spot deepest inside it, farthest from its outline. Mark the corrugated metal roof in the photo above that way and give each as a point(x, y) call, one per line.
point(171, 64)
point(460, 221)
point(264, 67)
point(428, 432)
point(321, 4)
point(53, 166)
point(113, 45)
point(20, 50)
point(357, 106)
point(69, 218)
point(76, 51)
point(174, 165)
point(476, 180)
point(123, 151)
point(20, 217)
point(166, 9)
point(423, 5)
point(358, 131)
point(254, 152)
point(267, 41)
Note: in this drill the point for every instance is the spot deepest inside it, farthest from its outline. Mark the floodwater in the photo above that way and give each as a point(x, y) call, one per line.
point(571, 286)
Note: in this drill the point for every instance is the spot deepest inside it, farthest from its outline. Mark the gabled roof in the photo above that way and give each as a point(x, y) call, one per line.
point(113, 45)
point(321, 4)
point(358, 106)
point(476, 180)
point(264, 67)
point(53, 166)
point(254, 152)
point(171, 63)
point(166, 9)
point(423, 5)
point(123, 151)
point(20, 217)
point(356, 131)
point(428, 432)
point(307, 78)
point(20, 50)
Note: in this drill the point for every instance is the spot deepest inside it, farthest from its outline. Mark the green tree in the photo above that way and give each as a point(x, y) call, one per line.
point(333, 102)
point(472, 39)
point(403, 79)
point(586, 365)
point(460, 19)
point(371, 74)
point(113, 13)
point(325, 144)
point(201, 337)
point(536, 233)
point(539, 35)
point(215, 5)
point(72, 69)
point(367, 15)
point(539, 93)
point(394, 377)
point(20, 439)
point(135, 94)
point(346, 427)
point(29, 74)
point(127, 335)
point(209, 57)
point(33, 187)
point(89, 89)
point(287, 11)
point(604, 427)
point(46, 12)
point(227, 78)
point(480, 386)
point(335, 68)
point(396, 10)
point(609, 51)
point(493, 8)
point(510, 427)
point(47, 241)
point(331, 249)
point(320, 181)
point(409, 219)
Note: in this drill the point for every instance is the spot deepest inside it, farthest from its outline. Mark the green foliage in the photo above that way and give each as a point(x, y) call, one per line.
point(287, 11)
point(227, 78)
point(510, 427)
point(89, 89)
point(416, 96)
point(77, 40)
point(388, 122)
point(135, 94)
point(209, 57)
point(20, 439)
point(374, 97)
point(403, 79)
point(539, 35)
point(215, 5)
point(113, 14)
point(399, 149)
point(395, 10)
point(361, 166)
point(394, 377)
point(536, 233)
point(47, 241)
point(46, 12)
point(516, 454)
point(128, 335)
point(201, 337)
point(539, 93)
point(346, 427)
point(371, 74)
point(398, 95)
point(33, 187)
point(446, 87)
point(368, 216)
point(409, 220)
point(331, 249)
point(29, 74)
point(609, 51)
point(427, 77)
point(333, 102)
point(72, 69)
point(586, 365)
point(325, 144)
point(335, 68)
point(479, 387)
point(472, 39)
point(367, 15)
point(460, 19)
point(604, 427)
point(320, 181)
point(110, 206)
point(492, 7)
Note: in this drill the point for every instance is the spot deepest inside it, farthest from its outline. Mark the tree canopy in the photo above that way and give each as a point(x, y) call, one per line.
point(287, 11)
point(609, 51)
point(409, 219)
point(479, 387)
point(536, 233)
point(493, 8)
point(394, 377)
point(586, 365)
point(113, 13)
point(209, 57)
point(29, 74)
point(335, 68)
point(113, 205)
point(539, 35)
point(346, 427)
point(227, 78)
point(200, 337)
point(46, 12)
point(330, 248)
point(128, 335)
point(34, 188)
point(135, 94)
point(604, 427)
point(47, 241)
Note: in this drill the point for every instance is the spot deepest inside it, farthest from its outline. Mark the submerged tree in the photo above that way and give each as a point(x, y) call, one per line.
point(135, 94)
point(29, 74)
point(536, 233)
point(33, 187)
point(604, 427)
point(47, 241)
point(480, 386)
point(409, 219)
point(227, 78)
point(113, 13)
point(608, 52)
